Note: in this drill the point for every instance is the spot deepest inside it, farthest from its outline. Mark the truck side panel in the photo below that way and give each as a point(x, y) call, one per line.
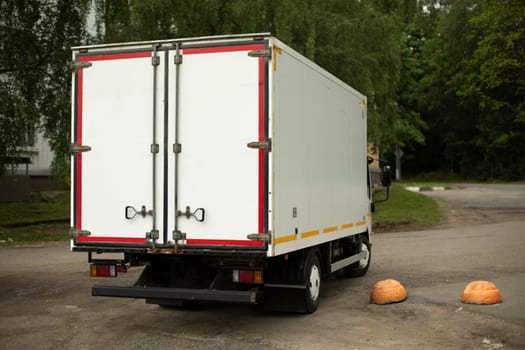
point(319, 155)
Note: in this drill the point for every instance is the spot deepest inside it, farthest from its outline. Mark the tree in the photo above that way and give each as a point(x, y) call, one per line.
point(356, 41)
point(35, 76)
point(360, 44)
point(55, 107)
point(494, 81)
point(423, 92)
point(18, 77)
point(409, 126)
point(451, 131)
point(473, 89)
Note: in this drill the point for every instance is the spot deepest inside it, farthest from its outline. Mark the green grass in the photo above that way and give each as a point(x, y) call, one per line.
point(403, 211)
point(406, 210)
point(33, 233)
point(42, 219)
point(42, 208)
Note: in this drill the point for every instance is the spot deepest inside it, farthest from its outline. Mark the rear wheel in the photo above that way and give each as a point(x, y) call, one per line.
point(360, 268)
point(312, 269)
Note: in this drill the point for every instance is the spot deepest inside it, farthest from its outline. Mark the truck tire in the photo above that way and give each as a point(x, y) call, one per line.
point(360, 268)
point(312, 270)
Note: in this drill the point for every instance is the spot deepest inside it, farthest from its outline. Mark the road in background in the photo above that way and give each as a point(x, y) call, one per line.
point(494, 202)
point(45, 297)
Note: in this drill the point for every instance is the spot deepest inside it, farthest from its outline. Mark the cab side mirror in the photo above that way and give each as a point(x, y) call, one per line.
point(386, 176)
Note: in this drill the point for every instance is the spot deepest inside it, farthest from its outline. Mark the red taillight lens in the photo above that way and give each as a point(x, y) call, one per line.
point(245, 276)
point(99, 270)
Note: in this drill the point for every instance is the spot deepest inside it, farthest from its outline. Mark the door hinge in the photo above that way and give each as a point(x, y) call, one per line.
point(261, 53)
point(177, 59)
point(74, 148)
point(261, 144)
point(260, 236)
point(80, 65)
point(155, 60)
point(177, 148)
point(155, 148)
point(73, 232)
point(153, 234)
point(178, 235)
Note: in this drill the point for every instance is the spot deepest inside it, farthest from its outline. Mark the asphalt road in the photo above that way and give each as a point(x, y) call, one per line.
point(45, 300)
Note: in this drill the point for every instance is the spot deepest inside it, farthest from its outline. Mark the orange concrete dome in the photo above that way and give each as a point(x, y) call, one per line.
point(387, 292)
point(481, 292)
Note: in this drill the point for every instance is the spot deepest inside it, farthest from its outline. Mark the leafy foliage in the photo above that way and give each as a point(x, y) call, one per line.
point(357, 41)
point(473, 90)
point(444, 78)
point(19, 75)
point(34, 74)
point(494, 80)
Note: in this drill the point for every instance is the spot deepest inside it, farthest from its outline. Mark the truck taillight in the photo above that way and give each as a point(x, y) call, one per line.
point(100, 270)
point(248, 276)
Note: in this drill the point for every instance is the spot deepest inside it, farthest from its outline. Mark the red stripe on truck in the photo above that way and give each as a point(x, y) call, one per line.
point(261, 137)
point(99, 239)
point(218, 49)
point(224, 242)
point(80, 94)
point(115, 56)
point(78, 191)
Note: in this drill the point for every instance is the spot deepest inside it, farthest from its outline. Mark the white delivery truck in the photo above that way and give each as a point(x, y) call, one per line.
point(233, 168)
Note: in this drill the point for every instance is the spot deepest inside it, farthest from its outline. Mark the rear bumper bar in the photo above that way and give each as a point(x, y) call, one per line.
point(158, 293)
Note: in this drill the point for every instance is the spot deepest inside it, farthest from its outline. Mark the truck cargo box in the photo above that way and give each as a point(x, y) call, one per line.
point(225, 146)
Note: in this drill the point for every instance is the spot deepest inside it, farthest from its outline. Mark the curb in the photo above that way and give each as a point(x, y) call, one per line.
point(423, 189)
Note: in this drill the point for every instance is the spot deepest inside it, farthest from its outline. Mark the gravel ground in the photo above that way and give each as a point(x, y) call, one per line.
point(46, 303)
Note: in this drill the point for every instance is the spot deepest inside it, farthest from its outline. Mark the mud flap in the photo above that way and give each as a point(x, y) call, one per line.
point(285, 298)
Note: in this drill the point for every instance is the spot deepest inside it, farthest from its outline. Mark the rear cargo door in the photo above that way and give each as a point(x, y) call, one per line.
point(221, 186)
point(116, 150)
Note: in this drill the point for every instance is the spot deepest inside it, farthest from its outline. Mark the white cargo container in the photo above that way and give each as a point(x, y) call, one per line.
point(232, 166)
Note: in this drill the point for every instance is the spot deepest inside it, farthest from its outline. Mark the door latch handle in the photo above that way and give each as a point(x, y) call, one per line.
point(131, 212)
point(199, 214)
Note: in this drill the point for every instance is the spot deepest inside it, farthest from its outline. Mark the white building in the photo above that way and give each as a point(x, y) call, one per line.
point(35, 160)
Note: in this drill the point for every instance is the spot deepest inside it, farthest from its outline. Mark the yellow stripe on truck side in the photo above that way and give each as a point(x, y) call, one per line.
point(330, 229)
point(309, 233)
point(276, 50)
point(285, 239)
